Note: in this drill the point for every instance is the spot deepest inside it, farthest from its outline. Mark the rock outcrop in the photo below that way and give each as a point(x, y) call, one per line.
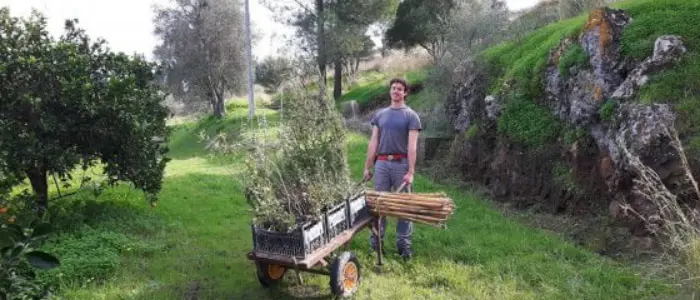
point(667, 49)
point(589, 172)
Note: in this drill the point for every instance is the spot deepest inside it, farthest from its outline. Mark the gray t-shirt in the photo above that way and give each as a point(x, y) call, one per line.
point(394, 124)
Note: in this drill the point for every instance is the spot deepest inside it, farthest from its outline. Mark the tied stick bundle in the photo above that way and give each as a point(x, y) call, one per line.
point(426, 208)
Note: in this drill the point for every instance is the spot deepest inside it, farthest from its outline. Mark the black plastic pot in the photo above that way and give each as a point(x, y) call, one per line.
point(336, 220)
point(357, 209)
point(298, 243)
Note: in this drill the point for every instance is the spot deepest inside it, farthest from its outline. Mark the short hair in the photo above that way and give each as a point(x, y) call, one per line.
point(399, 81)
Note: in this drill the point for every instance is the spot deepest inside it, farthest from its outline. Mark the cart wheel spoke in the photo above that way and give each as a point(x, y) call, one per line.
point(345, 275)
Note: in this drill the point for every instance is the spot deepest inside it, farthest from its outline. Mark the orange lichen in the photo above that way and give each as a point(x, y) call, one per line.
point(598, 93)
point(605, 34)
point(597, 19)
point(594, 19)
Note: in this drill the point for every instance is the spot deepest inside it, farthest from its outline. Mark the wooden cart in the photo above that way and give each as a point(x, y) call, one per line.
point(344, 269)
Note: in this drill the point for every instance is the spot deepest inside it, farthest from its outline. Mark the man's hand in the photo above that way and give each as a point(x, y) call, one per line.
point(368, 174)
point(408, 178)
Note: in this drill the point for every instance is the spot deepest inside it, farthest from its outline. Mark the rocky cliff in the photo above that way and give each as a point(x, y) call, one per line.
point(586, 133)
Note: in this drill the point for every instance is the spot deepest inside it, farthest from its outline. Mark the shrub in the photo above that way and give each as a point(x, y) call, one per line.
point(19, 259)
point(291, 179)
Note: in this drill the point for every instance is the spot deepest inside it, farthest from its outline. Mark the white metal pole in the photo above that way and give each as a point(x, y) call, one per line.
point(249, 52)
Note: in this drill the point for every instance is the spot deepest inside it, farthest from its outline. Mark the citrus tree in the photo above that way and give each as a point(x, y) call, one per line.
point(69, 101)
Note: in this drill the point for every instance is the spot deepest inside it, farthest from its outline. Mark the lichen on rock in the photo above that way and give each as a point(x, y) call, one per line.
point(601, 39)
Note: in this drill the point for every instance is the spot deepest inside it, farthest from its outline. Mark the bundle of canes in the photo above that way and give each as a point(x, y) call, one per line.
point(432, 209)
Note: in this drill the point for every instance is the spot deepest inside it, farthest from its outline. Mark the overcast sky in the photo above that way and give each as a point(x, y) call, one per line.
point(127, 25)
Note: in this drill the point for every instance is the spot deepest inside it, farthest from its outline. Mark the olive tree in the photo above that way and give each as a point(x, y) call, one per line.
point(424, 23)
point(69, 101)
point(202, 49)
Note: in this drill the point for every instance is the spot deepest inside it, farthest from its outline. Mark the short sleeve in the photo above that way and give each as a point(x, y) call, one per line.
point(414, 122)
point(374, 120)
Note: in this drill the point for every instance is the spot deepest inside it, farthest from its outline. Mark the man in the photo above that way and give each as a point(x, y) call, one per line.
point(392, 153)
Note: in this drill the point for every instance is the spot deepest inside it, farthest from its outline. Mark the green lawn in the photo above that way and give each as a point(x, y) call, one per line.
point(193, 245)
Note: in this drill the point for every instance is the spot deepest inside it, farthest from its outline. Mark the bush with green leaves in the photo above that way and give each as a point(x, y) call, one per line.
point(69, 101)
point(272, 72)
point(294, 178)
point(19, 259)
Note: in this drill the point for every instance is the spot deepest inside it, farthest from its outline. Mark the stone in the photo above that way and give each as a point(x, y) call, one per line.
point(601, 40)
point(667, 49)
point(493, 107)
point(350, 109)
point(465, 104)
point(606, 168)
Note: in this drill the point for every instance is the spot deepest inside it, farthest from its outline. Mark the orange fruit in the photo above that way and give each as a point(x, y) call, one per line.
point(3, 210)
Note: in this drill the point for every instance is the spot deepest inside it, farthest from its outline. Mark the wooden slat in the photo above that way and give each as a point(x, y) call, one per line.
point(335, 243)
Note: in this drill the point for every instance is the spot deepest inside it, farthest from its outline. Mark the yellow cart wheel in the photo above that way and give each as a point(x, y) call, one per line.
point(345, 275)
point(270, 274)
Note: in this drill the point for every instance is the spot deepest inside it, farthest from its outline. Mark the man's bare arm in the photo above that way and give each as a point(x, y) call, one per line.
point(412, 150)
point(372, 149)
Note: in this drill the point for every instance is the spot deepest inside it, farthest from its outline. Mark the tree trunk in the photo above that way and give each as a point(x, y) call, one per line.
point(321, 40)
point(338, 79)
point(218, 104)
point(40, 186)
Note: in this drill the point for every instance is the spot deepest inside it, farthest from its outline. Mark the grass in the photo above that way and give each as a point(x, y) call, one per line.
point(574, 56)
point(654, 18)
point(193, 244)
point(379, 85)
point(525, 122)
point(523, 61)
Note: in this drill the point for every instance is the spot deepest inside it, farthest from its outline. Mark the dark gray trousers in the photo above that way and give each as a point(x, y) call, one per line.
point(388, 176)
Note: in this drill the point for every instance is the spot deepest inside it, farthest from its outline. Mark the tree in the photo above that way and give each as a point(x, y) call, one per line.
point(71, 102)
point(424, 23)
point(364, 49)
point(272, 72)
point(202, 49)
point(478, 24)
point(333, 31)
point(351, 20)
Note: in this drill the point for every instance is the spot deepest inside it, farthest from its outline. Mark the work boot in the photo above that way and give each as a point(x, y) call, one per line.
point(405, 253)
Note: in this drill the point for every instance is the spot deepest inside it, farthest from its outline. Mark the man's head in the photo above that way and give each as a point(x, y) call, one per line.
point(398, 89)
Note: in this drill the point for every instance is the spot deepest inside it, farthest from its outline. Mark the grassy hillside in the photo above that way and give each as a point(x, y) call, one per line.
point(521, 63)
point(193, 244)
point(374, 85)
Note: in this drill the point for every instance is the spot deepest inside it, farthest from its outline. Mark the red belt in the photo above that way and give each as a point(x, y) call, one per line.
point(391, 156)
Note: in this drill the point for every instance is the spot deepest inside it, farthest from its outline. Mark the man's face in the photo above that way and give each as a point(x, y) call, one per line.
point(398, 93)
